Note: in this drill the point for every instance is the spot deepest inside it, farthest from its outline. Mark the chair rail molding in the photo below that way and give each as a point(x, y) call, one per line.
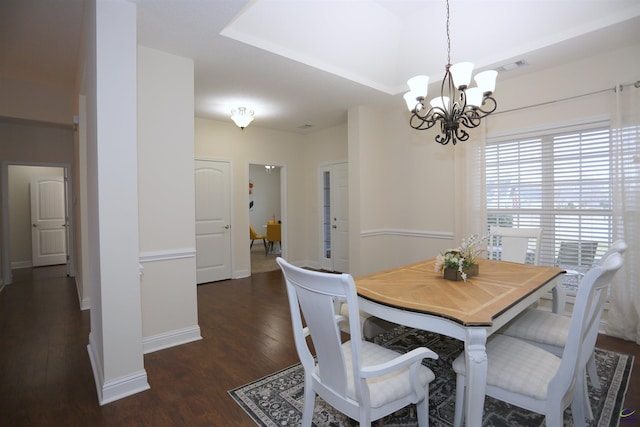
point(407, 233)
point(169, 254)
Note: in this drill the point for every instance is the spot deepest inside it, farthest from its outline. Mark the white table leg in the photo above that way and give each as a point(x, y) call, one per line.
point(476, 367)
point(559, 298)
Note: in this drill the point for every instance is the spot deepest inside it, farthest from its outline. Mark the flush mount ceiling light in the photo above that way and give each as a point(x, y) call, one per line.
point(457, 104)
point(241, 117)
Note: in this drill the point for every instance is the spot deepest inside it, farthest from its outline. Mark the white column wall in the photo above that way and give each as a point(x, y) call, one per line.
point(115, 341)
point(166, 199)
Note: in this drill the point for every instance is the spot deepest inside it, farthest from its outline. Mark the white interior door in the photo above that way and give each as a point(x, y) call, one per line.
point(213, 225)
point(48, 221)
point(335, 223)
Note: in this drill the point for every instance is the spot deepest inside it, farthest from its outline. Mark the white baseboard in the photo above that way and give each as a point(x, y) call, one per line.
point(308, 264)
point(111, 391)
point(124, 387)
point(85, 303)
point(240, 274)
point(171, 339)
point(21, 264)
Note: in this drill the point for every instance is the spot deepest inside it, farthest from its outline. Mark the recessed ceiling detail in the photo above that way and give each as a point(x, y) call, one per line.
point(381, 43)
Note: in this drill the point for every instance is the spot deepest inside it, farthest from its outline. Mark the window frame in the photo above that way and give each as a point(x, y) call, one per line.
point(537, 150)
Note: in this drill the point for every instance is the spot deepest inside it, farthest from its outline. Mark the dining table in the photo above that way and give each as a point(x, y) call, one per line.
point(418, 296)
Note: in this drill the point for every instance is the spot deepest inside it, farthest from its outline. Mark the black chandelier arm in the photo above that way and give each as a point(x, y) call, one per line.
point(420, 123)
point(444, 138)
point(489, 103)
point(461, 134)
point(426, 120)
point(470, 118)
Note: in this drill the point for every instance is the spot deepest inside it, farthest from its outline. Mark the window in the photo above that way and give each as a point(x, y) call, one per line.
point(560, 182)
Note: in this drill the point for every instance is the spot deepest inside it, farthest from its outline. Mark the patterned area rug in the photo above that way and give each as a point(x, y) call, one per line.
point(277, 399)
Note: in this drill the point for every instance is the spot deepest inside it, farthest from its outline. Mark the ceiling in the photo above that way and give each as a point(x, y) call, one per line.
point(301, 64)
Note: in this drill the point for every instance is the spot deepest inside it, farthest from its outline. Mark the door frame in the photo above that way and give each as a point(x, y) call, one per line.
point(5, 246)
point(322, 168)
point(283, 204)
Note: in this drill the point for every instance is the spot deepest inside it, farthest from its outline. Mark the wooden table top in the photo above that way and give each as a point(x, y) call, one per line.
point(476, 302)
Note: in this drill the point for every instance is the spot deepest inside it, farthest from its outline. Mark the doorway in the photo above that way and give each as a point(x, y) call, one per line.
point(334, 224)
point(265, 205)
point(18, 225)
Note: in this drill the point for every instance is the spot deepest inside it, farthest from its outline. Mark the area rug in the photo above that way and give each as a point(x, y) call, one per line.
point(277, 399)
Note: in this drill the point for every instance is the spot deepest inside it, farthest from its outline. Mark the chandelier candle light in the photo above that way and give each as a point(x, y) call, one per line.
point(459, 105)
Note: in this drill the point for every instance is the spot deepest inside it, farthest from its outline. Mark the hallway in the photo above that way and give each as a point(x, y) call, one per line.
point(44, 361)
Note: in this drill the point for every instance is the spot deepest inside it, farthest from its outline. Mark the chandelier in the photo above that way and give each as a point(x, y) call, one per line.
point(457, 104)
point(241, 117)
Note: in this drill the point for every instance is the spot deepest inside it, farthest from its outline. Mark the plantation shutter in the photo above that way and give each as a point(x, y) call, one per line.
point(560, 181)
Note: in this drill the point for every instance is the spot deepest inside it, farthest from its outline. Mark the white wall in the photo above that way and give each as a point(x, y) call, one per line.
point(593, 74)
point(255, 145)
point(398, 192)
point(36, 101)
point(166, 199)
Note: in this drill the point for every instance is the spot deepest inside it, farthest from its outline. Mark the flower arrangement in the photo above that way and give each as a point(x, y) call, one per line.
point(461, 258)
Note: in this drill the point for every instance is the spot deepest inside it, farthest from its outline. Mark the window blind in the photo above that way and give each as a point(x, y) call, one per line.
point(560, 181)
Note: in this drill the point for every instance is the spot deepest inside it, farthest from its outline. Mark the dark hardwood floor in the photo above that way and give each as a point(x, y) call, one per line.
point(46, 378)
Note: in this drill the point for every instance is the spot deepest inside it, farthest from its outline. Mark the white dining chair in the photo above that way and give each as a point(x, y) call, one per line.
point(521, 245)
point(618, 246)
point(530, 377)
point(363, 380)
point(550, 331)
point(515, 244)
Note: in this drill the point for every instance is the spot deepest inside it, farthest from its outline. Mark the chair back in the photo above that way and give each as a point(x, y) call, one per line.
point(312, 295)
point(585, 319)
point(252, 233)
point(273, 232)
point(576, 253)
point(515, 244)
point(619, 246)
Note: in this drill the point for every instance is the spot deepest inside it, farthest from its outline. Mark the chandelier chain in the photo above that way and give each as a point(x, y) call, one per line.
point(448, 38)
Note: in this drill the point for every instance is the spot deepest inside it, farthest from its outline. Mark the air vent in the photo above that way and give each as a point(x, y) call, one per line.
point(513, 65)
